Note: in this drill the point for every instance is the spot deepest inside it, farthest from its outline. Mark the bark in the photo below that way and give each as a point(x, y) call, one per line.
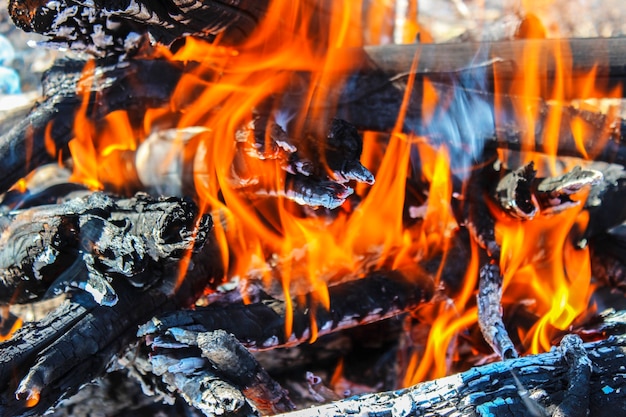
point(540, 385)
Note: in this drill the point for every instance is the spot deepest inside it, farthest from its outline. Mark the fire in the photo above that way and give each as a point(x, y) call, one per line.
point(540, 262)
point(265, 235)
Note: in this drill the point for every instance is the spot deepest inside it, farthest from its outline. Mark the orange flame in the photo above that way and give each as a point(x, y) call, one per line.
point(269, 239)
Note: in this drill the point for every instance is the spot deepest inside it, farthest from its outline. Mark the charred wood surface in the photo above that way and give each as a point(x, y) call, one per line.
point(54, 357)
point(261, 325)
point(88, 242)
point(108, 28)
point(574, 379)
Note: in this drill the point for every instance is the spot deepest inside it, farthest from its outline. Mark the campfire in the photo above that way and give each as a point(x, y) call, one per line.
point(245, 208)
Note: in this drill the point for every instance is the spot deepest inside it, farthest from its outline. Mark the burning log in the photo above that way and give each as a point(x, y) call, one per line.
point(104, 28)
point(262, 325)
point(560, 382)
point(369, 100)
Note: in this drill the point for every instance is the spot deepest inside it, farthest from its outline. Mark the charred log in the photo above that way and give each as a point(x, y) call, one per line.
point(116, 28)
point(261, 325)
point(48, 359)
point(538, 385)
point(87, 243)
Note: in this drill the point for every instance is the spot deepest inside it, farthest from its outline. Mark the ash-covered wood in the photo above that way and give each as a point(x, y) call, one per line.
point(538, 385)
point(490, 312)
point(176, 337)
point(88, 242)
point(214, 373)
point(133, 248)
point(116, 28)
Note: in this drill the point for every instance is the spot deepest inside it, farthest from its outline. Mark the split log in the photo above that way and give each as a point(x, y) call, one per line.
point(574, 380)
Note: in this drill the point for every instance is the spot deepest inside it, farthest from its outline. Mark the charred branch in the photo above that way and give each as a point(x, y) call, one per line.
point(490, 312)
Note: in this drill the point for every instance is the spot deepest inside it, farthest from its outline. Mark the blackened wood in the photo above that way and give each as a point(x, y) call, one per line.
point(261, 325)
point(87, 242)
point(608, 257)
point(203, 365)
point(73, 345)
point(533, 385)
point(113, 27)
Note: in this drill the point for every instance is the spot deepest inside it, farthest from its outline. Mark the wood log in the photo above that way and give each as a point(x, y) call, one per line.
point(261, 325)
point(574, 380)
point(369, 100)
point(48, 359)
point(115, 28)
point(86, 243)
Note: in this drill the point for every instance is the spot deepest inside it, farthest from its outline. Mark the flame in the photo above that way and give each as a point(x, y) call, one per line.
point(272, 240)
point(451, 317)
point(265, 237)
point(541, 262)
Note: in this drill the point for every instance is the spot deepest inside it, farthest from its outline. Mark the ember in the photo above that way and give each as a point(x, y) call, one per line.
point(249, 178)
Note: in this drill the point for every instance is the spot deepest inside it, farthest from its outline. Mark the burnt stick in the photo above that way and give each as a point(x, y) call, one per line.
point(73, 345)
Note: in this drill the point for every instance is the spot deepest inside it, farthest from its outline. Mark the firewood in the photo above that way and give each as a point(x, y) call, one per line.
point(559, 381)
point(113, 28)
point(87, 243)
point(48, 359)
point(223, 375)
point(369, 102)
point(261, 325)
point(520, 195)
